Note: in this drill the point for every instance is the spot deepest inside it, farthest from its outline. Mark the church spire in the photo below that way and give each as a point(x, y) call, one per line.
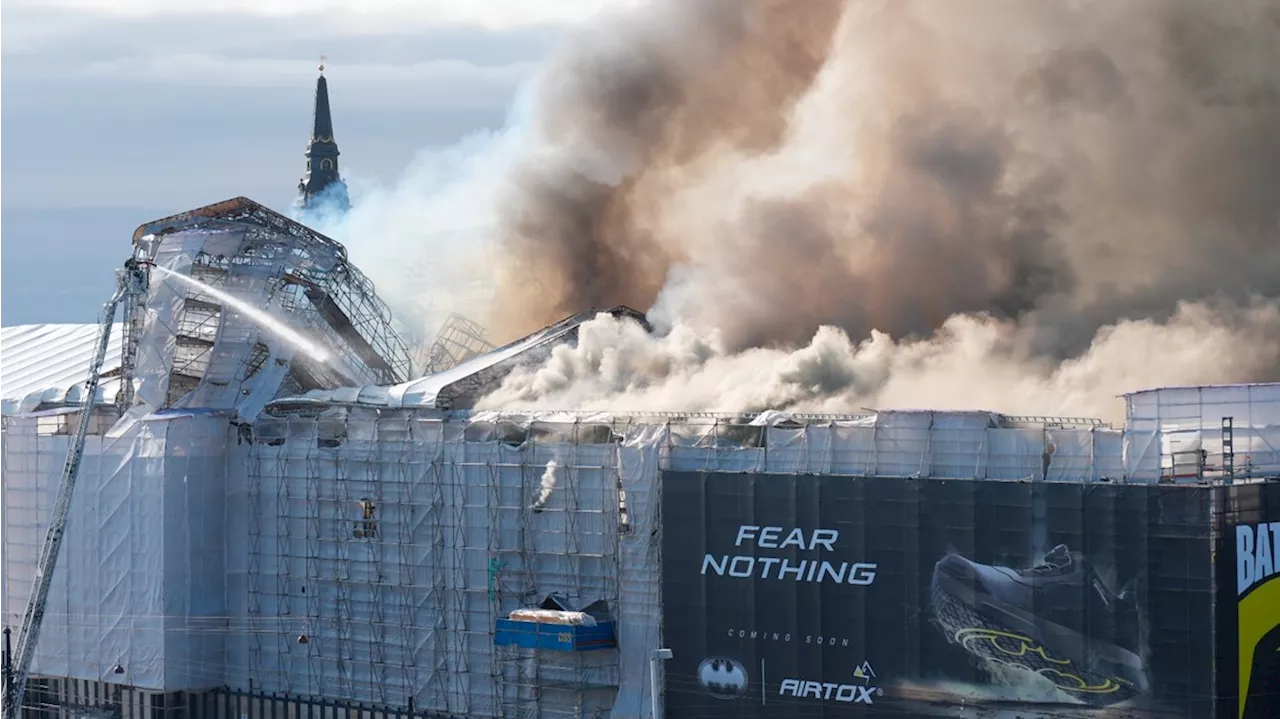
point(322, 184)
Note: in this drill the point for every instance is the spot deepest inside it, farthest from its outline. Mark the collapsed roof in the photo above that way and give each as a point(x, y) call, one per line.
point(460, 386)
point(198, 353)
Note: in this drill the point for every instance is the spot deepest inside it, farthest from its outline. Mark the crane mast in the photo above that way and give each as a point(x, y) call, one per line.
point(132, 283)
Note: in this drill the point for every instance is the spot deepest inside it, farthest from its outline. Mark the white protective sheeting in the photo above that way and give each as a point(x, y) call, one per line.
point(902, 443)
point(639, 567)
point(49, 364)
point(220, 361)
point(138, 582)
point(1177, 433)
point(395, 547)
point(4, 522)
point(157, 348)
point(224, 381)
point(367, 553)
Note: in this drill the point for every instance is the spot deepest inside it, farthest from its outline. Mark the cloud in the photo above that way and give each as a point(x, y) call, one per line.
point(192, 106)
point(233, 50)
point(357, 16)
point(362, 84)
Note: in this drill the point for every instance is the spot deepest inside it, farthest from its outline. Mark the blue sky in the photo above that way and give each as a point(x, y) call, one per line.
point(120, 112)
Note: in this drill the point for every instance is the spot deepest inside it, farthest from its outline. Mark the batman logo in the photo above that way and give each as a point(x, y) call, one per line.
point(722, 678)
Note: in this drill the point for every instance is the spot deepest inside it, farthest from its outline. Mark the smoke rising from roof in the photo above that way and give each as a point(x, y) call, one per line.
point(1058, 196)
point(972, 361)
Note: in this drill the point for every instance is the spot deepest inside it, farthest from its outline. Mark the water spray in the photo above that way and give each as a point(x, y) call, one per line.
point(256, 314)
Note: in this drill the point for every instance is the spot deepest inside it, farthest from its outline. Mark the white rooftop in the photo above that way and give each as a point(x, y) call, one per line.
point(49, 363)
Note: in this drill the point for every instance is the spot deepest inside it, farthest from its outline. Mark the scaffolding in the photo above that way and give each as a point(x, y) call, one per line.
point(407, 536)
point(458, 340)
point(394, 547)
point(250, 250)
point(1193, 434)
point(361, 556)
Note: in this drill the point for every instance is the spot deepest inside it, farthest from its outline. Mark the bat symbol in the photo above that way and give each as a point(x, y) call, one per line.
point(722, 678)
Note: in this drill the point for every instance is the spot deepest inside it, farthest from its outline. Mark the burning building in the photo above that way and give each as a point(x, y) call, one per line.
point(263, 530)
point(283, 516)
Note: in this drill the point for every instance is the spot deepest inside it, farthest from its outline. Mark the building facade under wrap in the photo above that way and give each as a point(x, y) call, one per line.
point(263, 534)
point(354, 554)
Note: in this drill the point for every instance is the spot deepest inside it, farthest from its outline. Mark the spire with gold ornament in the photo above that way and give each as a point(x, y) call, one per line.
point(322, 185)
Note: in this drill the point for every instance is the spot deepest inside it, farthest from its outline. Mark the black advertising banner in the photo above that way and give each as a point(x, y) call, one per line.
point(813, 596)
point(1248, 551)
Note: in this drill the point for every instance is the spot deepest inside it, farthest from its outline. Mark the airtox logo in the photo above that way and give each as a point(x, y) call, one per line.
point(723, 678)
point(830, 691)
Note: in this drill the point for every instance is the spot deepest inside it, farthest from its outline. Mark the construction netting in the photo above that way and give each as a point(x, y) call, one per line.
point(137, 595)
point(367, 554)
point(377, 553)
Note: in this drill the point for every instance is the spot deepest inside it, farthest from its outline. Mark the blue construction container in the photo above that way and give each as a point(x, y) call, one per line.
point(554, 637)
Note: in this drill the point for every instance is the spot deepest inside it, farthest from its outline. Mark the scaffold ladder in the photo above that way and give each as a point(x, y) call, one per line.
point(1228, 449)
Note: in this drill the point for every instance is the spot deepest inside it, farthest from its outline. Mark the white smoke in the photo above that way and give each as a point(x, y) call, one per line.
point(974, 361)
point(426, 240)
point(546, 485)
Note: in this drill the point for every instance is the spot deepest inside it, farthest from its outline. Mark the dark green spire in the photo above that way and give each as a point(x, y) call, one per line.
point(322, 125)
point(322, 157)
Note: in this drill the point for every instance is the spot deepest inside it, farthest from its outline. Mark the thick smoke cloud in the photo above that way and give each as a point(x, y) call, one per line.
point(1024, 206)
point(618, 118)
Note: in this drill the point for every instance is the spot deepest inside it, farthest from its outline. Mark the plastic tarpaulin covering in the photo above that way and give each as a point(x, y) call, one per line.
point(220, 366)
point(366, 553)
point(1177, 433)
point(394, 541)
point(138, 580)
point(4, 522)
point(959, 445)
point(394, 547)
point(639, 555)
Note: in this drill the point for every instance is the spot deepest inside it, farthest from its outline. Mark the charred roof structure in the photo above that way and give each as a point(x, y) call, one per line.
point(461, 385)
point(301, 277)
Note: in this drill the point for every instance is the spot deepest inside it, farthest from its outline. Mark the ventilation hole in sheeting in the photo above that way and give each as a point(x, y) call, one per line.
point(270, 433)
point(739, 435)
point(573, 434)
point(331, 434)
point(257, 359)
point(507, 433)
point(512, 434)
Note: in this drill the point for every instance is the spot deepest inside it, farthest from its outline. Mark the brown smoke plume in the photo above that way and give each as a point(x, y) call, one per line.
point(751, 171)
point(624, 111)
